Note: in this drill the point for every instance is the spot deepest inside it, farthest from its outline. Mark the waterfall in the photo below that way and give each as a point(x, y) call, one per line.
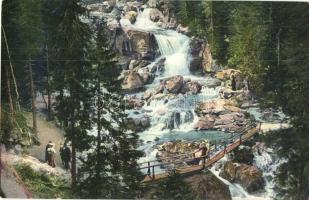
point(172, 45)
point(175, 48)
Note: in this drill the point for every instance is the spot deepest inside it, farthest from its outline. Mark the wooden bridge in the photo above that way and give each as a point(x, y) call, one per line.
point(217, 151)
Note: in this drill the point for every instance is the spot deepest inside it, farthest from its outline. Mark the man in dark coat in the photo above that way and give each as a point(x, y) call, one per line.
point(66, 156)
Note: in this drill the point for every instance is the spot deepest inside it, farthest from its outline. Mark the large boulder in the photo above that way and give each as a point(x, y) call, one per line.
point(192, 87)
point(250, 178)
point(141, 43)
point(174, 84)
point(211, 107)
point(208, 186)
point(204, 124)
point(246, 175)
point(132, 81)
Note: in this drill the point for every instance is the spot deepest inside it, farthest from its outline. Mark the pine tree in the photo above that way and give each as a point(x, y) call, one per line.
point(216, 16)
point(73, 107)
point(14, 128)
point(110, 167)
point(250, 36)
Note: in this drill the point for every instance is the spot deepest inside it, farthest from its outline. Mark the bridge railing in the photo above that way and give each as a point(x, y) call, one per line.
point(215, 147)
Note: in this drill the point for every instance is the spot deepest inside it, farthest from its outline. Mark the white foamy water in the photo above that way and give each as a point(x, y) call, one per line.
point(173, 118)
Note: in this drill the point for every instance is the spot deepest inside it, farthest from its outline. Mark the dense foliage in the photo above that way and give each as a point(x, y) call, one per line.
point(67, 56)
point(268, 41)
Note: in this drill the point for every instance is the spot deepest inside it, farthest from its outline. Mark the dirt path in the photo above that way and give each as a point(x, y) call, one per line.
point(46, 131)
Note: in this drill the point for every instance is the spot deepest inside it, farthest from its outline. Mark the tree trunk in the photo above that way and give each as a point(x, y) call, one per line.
point(12, 70)
point(32, 97)
point(98, 149)
point(8, 84)
point(48, 87)
point(73, 170)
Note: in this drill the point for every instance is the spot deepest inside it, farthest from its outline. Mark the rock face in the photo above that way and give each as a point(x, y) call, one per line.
point(132, 81)
point(201, 57)
point(220, 114)
point(136, 44)
point(246, 175)
point(143, 43)
point(208, 186)
point(174, 84)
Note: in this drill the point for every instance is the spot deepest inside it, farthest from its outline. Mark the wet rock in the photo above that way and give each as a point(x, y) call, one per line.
point(230, 128)
point(138, 123)
point(204, 124)
point(246, 175)
point(138, 64)
point(132, 81)
point(134, 102)
point(158, 66)
point(208, 186)
point(174, 84)
point(192, 87)
point(146, 75)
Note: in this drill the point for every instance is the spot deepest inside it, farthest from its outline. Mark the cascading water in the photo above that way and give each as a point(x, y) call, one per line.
point(173, 118)
point(175, 48)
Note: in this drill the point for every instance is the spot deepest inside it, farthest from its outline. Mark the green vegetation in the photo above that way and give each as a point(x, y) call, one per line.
point(44, 186)
point(268, 42)
point(64, 56)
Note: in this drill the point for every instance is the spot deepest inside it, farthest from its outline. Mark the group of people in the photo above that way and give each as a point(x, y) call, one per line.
point(203, 150)
point(65, 154)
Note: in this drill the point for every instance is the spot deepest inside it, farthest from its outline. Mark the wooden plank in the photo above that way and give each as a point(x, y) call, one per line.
point(210, 161)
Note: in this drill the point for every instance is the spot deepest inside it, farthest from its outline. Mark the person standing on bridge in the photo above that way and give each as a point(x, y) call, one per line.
point(203, 149)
